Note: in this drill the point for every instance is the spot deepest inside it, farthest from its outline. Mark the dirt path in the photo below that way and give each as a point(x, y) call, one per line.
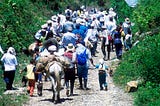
point(94, 97)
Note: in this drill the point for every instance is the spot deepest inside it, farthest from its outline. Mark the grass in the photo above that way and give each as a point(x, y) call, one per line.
point(14, 99)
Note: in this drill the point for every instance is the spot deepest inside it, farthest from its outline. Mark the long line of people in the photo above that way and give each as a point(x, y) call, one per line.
point(77, 33)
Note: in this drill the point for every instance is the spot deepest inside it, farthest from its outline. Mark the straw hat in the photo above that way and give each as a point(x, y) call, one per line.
point(127, 20)
point(44, 26)
point(49, 22)
point(52, 48)
point(54, 18)
point(111, 9)
point(70, 47)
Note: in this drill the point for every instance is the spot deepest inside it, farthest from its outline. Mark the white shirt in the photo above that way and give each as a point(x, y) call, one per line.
point(10, 62)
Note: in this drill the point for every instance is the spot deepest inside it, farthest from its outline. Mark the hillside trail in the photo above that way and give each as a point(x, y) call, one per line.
point(115, 96)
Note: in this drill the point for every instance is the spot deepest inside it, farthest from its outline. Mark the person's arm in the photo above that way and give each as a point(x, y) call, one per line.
point(91, 60)
point(24, 70)
point(89, 56)
point(74, 58)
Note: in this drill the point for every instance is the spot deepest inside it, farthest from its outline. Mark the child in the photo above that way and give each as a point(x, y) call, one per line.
point(102, 74)
point(31, 69)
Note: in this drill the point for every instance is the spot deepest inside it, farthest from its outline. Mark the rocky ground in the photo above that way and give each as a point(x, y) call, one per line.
point(115, 96)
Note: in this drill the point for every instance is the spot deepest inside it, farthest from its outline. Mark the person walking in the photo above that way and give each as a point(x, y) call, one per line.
point(118, 43)
point(105, 42)
point(102, 67)
point(10, 64)
point(70, 71)
point(31, 69)
point(128, 40)
point(83, 56)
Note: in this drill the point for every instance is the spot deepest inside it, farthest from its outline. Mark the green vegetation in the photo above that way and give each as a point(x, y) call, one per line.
point(20, 20)
point(142, 61)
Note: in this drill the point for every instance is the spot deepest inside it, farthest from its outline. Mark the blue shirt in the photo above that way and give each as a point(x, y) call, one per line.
point(69, 38)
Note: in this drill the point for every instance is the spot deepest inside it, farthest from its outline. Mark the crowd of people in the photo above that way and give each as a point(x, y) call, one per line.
point(75, 35)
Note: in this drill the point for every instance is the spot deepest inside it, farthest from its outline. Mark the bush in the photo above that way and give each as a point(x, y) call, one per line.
point(142, 61)
point(148, 98)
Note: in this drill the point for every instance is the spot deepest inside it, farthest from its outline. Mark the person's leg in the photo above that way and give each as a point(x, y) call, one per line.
point(94, 48)
point(11, 78)
point(72, 86)
point(103, 48)
point(32, 86)
point(79, 73)
point(80, 82)
point(40, 77)
point(100, 81)
point(104, 81)
point(39, 89)
point(85, 77)
point(109, 50)
point(6, 79)
point(67, 87)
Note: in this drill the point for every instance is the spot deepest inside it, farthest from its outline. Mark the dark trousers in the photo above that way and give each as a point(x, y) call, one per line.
point(103, 48)
point(102, 80)
point(118, 50)
point(70, 78)
point(93, 49)
point(8, 78)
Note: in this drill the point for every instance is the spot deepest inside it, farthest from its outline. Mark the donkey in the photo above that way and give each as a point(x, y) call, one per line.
point(55, 74)
point(54, 68)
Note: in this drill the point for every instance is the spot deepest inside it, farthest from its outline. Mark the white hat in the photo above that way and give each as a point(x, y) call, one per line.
point(49, 22)
point(44, 26)
point(70, 47)
point(127, 20)
point(54, 18)
point(82, 7)
point(11, 50)
point(111, 9)
point(52, 48)
point(101, 61)
point(105, 12)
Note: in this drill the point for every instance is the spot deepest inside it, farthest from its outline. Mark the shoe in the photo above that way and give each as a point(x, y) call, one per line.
point(104, 59)
point(101, 88)
point(106, 89)
point(86, 88)
point(95, 56)
point(71, 94)
point(28, 91)
point(67, 92)
point(80, 88)
point(97, 51)
point(14, 88)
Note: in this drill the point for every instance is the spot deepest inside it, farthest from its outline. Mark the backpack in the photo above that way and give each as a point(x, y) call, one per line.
point(110, 38)
point(82, 58)
point(69, 55)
